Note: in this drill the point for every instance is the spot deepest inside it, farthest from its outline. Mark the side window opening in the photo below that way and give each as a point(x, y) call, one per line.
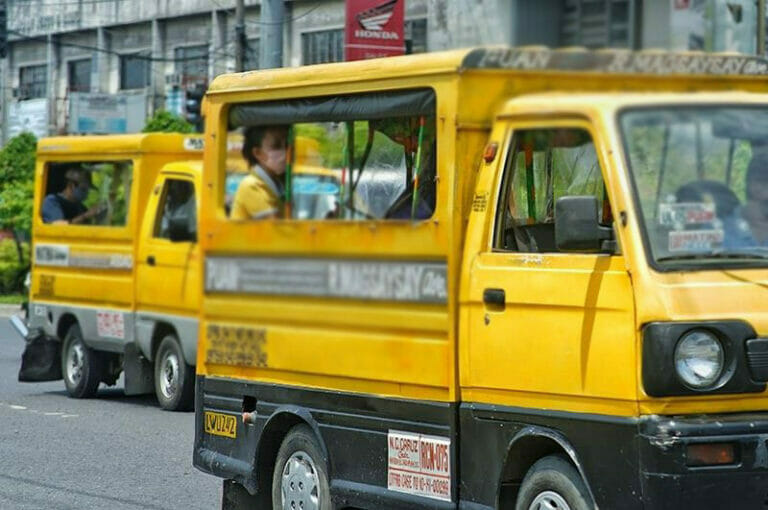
point(362, 157)
point(95, 193)
point(545, 165)
point(177, 203)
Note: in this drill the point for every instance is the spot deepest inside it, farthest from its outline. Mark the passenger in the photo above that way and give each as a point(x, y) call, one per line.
point(66, 206)
point(180, 204)
point(260, 194)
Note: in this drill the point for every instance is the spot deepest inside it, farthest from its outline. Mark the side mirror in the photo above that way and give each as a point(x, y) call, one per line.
point(178, 230)
point(577, 228)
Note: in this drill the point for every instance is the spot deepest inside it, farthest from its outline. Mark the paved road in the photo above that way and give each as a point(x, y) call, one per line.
point(116, 452)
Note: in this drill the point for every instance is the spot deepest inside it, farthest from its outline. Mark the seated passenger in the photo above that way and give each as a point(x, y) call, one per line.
point(66, 206)
point(260, 194)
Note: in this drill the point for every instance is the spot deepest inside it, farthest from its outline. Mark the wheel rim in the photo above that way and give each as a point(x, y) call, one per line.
point(549, 500)
point(75, 362)
point(300, 486)
point(169, 375)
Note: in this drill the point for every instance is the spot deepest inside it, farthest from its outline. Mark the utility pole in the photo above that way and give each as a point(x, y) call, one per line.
point(240, 41)
point(271, 45)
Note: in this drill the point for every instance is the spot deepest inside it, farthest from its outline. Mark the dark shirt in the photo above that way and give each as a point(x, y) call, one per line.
point(56, 208)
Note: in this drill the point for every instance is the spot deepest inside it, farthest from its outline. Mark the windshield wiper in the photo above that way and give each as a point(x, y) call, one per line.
point(723, 255)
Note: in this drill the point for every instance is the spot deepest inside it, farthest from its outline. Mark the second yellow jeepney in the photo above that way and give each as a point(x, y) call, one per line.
point(117, 289)
point(554, 297)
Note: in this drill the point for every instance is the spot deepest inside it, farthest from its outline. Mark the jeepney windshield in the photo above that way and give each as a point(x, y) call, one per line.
point(701, 180)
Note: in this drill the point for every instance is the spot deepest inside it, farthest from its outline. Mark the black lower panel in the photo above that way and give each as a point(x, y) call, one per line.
point(606, 448)
point(352, 428)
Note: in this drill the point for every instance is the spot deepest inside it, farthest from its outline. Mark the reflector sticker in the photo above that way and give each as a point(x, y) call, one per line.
point(419, 465)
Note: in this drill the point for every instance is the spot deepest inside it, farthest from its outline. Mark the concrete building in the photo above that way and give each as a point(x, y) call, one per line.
point(103, 66)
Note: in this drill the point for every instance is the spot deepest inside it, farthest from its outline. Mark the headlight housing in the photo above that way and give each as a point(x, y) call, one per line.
point(699, 359)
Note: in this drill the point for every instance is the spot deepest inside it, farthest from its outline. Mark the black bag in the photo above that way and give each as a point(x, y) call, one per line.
point(41, 360)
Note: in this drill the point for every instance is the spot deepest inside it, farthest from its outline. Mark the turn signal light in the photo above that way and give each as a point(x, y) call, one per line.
point(710, 454)
point(490, 152)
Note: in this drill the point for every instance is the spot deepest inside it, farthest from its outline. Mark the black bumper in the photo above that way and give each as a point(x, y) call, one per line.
point(669, 482)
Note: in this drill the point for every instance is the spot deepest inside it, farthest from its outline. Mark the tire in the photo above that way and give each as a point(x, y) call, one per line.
point(300, 460)
point(174, 379)
point(81, 366)
point(553, 482)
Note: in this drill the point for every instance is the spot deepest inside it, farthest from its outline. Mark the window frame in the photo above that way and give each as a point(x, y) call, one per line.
point(568, 121)
point(312, 33)
point(33, 85)
point(71, 65)
point(136, 56)
point(160, 212)
point(180, 63)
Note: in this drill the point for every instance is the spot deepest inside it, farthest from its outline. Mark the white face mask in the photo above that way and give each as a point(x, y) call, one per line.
point(275, 162)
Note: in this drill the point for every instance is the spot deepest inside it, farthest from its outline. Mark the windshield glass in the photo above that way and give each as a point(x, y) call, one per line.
point(701, 175)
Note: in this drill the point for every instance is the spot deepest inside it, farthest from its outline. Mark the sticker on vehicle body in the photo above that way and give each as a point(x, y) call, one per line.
point(52, 255)
point(419, 464)
point(695, 240)
point(220, 424)
point(193, 144)
point(232, 345)
point(110, 324)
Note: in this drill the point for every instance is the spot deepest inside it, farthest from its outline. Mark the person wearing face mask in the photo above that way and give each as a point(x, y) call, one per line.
point(260, 195)
point(66, 206)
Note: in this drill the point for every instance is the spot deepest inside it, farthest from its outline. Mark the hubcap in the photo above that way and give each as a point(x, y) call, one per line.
point(549, 500)
point(300, 486)
point(169, 375)
point(75, 362)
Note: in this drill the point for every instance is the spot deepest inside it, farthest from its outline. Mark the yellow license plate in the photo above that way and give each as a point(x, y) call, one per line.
point(220, 424)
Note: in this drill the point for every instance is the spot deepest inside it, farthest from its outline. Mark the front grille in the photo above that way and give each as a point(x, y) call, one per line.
point(757, 356)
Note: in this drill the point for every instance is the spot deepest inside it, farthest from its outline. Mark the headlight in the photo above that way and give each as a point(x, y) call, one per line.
point(699, 359)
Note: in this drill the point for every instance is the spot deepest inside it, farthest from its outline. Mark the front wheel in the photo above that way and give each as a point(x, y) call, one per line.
point(300, 479)
point(174, 379)
point(553, 483)
point(81, 366)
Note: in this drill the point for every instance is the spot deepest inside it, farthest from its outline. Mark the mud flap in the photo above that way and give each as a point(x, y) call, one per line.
point(138, 371)
point(41, 360)
point(235, 497)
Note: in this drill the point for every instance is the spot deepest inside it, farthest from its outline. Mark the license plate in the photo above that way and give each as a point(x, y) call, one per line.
point(220, 424)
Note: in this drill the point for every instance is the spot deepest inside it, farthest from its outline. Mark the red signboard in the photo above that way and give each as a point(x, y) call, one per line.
point(374, 29)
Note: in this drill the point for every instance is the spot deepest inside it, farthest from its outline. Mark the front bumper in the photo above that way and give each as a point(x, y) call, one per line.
point(669, 482)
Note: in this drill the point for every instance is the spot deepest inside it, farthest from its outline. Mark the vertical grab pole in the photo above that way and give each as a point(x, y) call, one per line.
point(289, 157)
point(350, 162)
point(530, 187)
point(417, 168)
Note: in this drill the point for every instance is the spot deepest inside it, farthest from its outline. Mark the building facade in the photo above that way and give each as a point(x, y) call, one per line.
point(103, 66)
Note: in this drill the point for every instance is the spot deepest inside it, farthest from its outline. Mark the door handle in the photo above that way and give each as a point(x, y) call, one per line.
point(496, 297)
point(151, 260)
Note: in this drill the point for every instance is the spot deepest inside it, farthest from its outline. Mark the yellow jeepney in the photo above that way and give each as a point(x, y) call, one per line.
point(553, 297)
point(115, 270)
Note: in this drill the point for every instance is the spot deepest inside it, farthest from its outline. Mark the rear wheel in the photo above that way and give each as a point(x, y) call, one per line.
point(81, 366)
point(174, 379)
point(300, 479)
point(553, 483)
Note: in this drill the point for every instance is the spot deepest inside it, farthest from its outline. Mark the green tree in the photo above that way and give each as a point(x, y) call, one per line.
point(17, 175)
point(166, 122)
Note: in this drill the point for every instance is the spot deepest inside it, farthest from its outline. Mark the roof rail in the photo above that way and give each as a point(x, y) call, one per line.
point(615, 61)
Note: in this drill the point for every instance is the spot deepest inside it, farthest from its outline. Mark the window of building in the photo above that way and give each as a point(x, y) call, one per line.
point(415, 36)
point(192, 63)
point(597, 23)
point(322, 46)
point(178, 204)
point(134, 71)
point(103, 188)
point(353, 158)
point(80, 75)
point(33, 81)
point(251, 55)
point(544, 165)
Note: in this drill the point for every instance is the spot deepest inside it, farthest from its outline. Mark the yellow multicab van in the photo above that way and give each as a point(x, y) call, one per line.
point(554, 295)
point(118, 292)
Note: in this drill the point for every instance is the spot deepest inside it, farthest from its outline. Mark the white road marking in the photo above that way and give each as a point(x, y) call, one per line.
point(21, 408)
point(70, 416)
point(53, 414)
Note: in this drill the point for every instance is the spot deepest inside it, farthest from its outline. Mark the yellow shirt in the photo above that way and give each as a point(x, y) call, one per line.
point(257, 197)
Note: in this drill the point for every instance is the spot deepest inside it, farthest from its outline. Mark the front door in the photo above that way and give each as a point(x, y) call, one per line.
point(548, 330)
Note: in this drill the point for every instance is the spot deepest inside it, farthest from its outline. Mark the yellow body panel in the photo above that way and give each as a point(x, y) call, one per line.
point(568, 338)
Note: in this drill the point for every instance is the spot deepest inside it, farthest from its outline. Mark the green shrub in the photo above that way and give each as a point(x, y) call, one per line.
point(12, 271)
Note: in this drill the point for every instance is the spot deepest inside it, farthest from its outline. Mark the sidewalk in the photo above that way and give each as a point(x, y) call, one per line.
point(8, 310)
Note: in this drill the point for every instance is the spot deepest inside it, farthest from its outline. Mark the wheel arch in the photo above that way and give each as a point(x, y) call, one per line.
point(524, 449)
point(160, 330)
point(66, 320)
point(272, 436)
